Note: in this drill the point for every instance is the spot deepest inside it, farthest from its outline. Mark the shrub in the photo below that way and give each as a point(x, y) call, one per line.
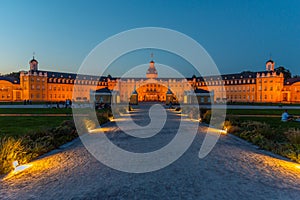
point(178, 109)
point(194, 113)
point(207, 116)
point(293, 135)
point(10, 150)
point(267, 137)
point(231, 127)
point(202, 112)
point(34, 144)
point(38, 142)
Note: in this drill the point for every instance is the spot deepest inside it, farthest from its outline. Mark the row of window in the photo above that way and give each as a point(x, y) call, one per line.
point(60, 88)
point(241, 97)
point(80, 82)
point(266, 88)
point(37, 79)
point(237, 89)
point(265, 81)
point(5, 96)
point(226, 82)
point(58, 96)
point(38, 87)
point(37, 96)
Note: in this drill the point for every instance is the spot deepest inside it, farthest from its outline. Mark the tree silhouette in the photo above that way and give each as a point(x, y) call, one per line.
point(286, 73)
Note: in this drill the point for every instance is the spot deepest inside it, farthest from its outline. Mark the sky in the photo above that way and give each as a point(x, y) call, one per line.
point(238, 35)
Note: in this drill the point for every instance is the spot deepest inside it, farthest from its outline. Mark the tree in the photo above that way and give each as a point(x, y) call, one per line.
point(15, 75)
point(286, 73)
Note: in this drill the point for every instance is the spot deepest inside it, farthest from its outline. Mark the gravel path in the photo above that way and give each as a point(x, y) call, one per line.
point(234, 169)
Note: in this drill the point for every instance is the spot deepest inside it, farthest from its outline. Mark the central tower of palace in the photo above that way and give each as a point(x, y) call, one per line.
point(151, 72)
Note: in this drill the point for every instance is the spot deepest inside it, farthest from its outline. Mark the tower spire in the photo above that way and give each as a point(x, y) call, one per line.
point(33, 63)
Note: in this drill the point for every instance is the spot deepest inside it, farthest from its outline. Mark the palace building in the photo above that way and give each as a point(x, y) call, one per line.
point(37, 85)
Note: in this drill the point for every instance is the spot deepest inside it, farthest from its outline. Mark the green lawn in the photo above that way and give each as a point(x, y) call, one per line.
point(35, 111)
point(274, 122)
point(18, 126)
point(261, 111)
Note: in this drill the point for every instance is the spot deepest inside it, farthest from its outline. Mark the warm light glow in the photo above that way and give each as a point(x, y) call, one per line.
point(21, 168)
point(216, 130)
point(15, 164)
point(102, 130)
point(119, 119)
point(17, 169)
point(35, 166)
point(224, 132)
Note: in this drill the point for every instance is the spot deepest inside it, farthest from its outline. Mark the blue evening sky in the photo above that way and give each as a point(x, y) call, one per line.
point(239, 35)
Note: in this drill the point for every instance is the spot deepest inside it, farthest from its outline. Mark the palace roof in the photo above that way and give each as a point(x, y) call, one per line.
point(10, 79)
point(291, 81)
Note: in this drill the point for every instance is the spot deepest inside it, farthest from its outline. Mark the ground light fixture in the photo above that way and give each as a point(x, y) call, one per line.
point(18, 168)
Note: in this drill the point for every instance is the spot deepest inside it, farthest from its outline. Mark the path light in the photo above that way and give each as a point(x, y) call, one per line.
point(19, 168)
point(224, 131)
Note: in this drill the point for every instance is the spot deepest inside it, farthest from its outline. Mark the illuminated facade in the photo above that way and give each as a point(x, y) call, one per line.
point(42, 86)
